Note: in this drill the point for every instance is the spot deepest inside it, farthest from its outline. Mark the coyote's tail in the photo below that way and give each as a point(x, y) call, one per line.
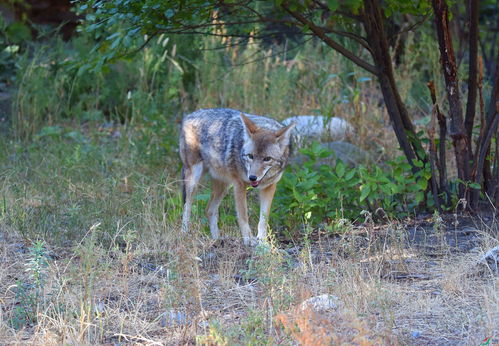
point(183, 185)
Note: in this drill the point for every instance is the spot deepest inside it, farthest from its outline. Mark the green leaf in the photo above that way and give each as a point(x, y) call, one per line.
point(419, 197)
point(423, 184)
point(297, 195)
point(475, 186)
point(116, 42)
point(333, 5)
point(364, 192)
point(169, 13)
point(340, 169)
point(49, 131)
point(386, 188)
point(418, 163)
point(349, 175)
point(18, 32)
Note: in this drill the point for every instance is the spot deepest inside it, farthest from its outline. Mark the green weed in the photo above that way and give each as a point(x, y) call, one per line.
point(30, 294)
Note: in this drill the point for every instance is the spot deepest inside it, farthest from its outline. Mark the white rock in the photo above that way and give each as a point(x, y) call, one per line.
point(321, 303)
point(319, 126)
point(491, 259)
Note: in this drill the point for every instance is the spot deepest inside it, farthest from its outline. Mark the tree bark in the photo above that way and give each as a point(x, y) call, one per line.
point(448, 61)
point(473, 9)
point(373, 21)
point(441, 159)
point(433, 158)
point(481, 167)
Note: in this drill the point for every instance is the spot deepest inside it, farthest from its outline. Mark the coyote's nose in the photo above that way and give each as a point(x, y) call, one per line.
point(252, 177)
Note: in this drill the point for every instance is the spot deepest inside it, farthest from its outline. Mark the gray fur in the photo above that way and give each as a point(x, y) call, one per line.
point(221, 132)
point(220, 141)
point(221, 135)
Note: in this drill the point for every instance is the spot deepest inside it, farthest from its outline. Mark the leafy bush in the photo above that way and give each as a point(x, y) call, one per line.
point(312, 193)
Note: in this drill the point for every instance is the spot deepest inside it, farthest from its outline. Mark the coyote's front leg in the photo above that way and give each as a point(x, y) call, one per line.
point(266, 197)
point(242, 212)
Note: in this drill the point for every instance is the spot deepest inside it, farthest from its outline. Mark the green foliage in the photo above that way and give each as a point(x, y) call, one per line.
point(135, 22)
point(25, 312)
point(124, 25)
point(312, 193)
point(130, 91)
point(9, 51)
point(30, 295)
point(71, 134)
point(419, 7)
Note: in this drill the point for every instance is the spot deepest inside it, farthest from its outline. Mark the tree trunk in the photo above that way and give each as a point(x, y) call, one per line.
point(492, 115)
point(473, 69)
point(490, 130)
point(373, 21)
point(448, 61)
point(441, 161)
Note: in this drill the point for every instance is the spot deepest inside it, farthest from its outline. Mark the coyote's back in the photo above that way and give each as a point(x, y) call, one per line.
point(237, 149)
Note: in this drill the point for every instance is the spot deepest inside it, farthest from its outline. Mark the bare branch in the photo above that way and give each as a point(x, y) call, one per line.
point(413, 26)
point(319, 32)
point(359, 39)
point(139, 48)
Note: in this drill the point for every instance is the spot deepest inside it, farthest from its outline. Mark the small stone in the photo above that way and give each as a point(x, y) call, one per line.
point(99, 307)
point(203, 324)
point(321, 303)
point(209, 256)
point(173, 317)
point(293, 251)
point(491, 259)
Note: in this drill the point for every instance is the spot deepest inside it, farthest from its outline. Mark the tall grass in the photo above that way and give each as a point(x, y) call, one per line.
point(167, 78)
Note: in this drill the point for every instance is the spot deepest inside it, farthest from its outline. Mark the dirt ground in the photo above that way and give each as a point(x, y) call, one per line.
point(413, 282)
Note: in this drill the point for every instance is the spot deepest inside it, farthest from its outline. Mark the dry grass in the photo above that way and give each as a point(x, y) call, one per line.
point(169, 289)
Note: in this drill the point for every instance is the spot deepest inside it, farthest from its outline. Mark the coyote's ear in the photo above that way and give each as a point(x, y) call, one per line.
point(250, 126)
point(283, 134)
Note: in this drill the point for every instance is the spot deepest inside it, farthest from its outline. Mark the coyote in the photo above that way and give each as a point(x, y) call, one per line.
point(236, 149)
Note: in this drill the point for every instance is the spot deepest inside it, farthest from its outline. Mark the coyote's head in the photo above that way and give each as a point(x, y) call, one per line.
point(263, 150)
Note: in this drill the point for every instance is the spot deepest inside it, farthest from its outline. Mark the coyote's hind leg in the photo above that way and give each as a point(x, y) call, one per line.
point(191, 175)
point(218, 191)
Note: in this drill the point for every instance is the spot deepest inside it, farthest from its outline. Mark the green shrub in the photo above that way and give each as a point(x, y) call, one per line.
point(313, 193)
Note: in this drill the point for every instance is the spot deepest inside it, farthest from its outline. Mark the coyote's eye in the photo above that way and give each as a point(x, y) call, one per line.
point(267, 158)
point(250, 156)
